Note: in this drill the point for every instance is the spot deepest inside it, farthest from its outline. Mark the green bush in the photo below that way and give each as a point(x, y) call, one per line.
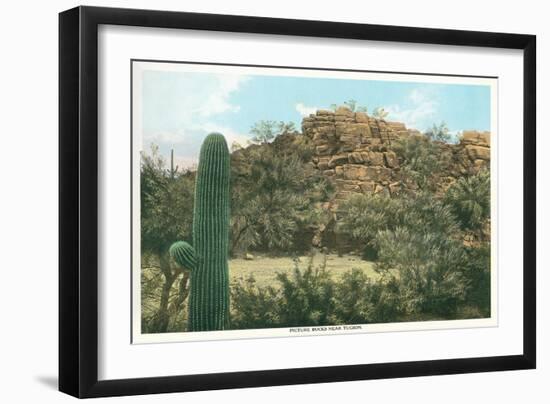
point(470, 201)
point(252, 306)
point(305, 298)
point(311, 297)
point(427, 268)
point(274, 197)
point(360, 300)
point(166, 215)
point(417, 245)
point(362, 217)
point(421, 161)
point(477, 270)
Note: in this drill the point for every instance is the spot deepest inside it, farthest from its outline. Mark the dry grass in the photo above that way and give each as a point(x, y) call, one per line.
point(265, 269)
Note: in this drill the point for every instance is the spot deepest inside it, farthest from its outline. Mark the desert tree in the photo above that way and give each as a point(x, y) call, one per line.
point(166, 206)
point(380, 113)
point(274, 190)
point(352, 105)
point(265, 131)
point(439, 133)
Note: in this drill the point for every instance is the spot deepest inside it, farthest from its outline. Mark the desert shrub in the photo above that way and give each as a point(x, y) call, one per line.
point(420, 250)
point(364, 216)
point(470, 201)
point(266, 131)
point(306, 297)
point(303, 298)
point(166, 215)
point(252, 306)
point(477, 270)
point(421, 162)
point(274, 196)
point(311, 297)
point(424, 213)
point(417, 243)
point(423, 277)
point(360, 300)
point(426, 267)
point(369, 253)
point(439, 133)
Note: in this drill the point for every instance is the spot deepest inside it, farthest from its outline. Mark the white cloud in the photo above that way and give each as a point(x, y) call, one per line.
point(186, 144)
point(417, 96)
point(455, 135)
point(419, 115)
point(229, 134)
point(165, 137)
point(304, 110)
point(185, 162)
point(184, 110)
point(217, 101)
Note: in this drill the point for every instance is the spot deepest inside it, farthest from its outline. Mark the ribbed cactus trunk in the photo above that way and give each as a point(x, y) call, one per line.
point(209, 297)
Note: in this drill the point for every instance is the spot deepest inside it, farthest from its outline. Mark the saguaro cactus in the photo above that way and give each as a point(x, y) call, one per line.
point(183, 254)
point(207, 259)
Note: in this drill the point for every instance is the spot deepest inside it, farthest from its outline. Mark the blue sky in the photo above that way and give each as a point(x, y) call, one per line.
point(180, 108)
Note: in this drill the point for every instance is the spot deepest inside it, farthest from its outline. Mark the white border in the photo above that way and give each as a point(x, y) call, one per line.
point(138, 67)
point(118, 358)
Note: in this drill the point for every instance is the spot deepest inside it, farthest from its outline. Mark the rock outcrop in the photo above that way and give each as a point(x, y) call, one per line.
point(355, 152)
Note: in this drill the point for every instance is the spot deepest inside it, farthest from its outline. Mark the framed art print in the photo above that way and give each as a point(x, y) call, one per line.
point(250, 201)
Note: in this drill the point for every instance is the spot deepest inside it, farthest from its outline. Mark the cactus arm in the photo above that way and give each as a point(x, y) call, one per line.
point(183, 254)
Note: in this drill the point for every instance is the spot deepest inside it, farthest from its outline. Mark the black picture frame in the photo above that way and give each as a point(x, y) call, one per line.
point(78, 200)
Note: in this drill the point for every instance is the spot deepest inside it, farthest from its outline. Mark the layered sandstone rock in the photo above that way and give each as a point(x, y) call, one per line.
point(355, 152)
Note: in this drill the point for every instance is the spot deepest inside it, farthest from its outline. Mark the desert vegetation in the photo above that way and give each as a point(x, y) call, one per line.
point(297, 259)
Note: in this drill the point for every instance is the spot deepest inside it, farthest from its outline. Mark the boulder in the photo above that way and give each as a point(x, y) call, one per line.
point(378, 174)
point(478, 152)
point(322, 149)
point(355, 172)
point(391, 159)
point(356, 157)
point(322, 164)
point(338, 160)
point(375, 158)
point(345, 111)
point(361, 117)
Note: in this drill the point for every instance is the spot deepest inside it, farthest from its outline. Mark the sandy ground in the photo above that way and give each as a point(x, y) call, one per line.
point(264, 269)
